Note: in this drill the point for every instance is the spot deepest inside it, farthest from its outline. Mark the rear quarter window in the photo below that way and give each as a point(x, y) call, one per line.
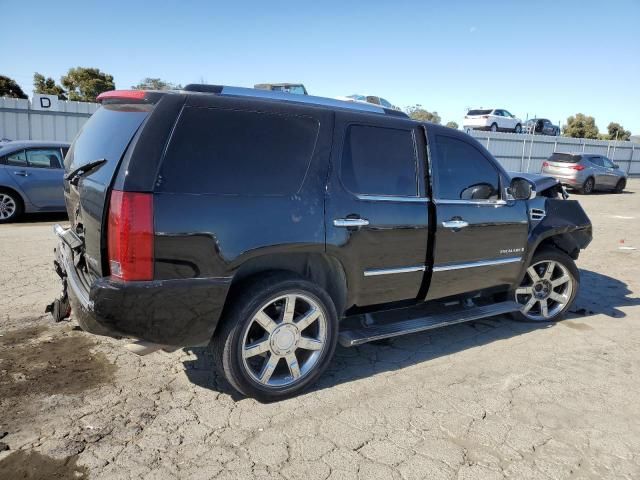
point(238, 152)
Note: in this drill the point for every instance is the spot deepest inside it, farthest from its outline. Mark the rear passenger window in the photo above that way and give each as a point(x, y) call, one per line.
point(379, 161)
point(463, 172)
point(236, 152)
point(44, 158)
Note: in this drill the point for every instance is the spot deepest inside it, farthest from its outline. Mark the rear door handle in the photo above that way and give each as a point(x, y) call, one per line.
point(455, 224)
point(350, 222)
point(22, 173)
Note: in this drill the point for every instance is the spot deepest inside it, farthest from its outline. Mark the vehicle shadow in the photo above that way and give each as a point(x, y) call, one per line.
point(350, 364)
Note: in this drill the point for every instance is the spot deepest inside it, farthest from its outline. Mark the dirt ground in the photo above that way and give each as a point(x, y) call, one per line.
point(489, 399)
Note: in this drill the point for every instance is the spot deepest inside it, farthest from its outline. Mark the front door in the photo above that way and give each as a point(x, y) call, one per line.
point(376, 211)
point(480, 237)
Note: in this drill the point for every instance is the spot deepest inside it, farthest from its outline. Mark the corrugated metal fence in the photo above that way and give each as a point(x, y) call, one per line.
point(61, 121)
point(525, 153)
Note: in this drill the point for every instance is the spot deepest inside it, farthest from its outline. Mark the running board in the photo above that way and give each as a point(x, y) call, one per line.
point(375, 327)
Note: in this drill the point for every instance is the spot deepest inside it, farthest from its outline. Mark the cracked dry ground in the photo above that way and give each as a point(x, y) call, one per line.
point(486, 400)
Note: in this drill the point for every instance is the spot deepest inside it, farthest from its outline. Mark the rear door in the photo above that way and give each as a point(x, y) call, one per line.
point(38, 173)
point(480, 237)
point(599, 171)
point(376, 209)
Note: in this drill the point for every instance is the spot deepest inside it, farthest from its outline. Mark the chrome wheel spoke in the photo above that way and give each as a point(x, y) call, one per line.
point(310, 317)
point(549, 270)
point(524, 291)
point(310, 343)
point(289, 308)
point(529, 305)
point(292, 363)
point(265, 321)
point(557, 297)
point(544, 308)
point(533, 274)
point(256, 348)
point(560, 281)
point(268, 368)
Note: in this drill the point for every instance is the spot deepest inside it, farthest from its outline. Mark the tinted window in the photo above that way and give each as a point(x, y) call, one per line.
point(597, 161)
point(463, 173)
point(17, 159)
point(379, 161)
point(478, 112)
point(44, 158)
point(607, 163)
point(564, 157)
point(238, 152)
point(506, 113)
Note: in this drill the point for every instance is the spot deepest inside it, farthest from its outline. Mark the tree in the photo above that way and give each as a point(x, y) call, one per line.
point(47, 86)
point(156, 84)
point(580, 126)
point(617, 132)
point(9, 88)
point(453, 125)
point(418, 113)
point(85, 84)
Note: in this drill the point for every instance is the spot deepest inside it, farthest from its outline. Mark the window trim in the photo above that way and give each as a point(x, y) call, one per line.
point(501, 201)
point(381, 197)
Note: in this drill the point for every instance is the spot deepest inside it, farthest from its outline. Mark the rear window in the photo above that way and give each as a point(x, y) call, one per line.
point(237, 152)
point(106, 135)
point(479, 112)
point(565, 158)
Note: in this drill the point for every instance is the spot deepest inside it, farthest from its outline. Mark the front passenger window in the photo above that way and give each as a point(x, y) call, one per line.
point(463, 172)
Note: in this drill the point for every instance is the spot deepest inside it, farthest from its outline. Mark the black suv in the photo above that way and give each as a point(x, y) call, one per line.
point(273, 226)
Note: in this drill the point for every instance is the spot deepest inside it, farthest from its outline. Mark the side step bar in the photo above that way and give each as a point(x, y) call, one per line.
point(379, 330)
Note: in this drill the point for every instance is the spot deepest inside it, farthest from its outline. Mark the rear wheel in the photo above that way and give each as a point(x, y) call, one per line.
point(549, 287)
point(621, 185)
point(494, 127)
point(10, 206)
point(588, 186)
point(278, 338)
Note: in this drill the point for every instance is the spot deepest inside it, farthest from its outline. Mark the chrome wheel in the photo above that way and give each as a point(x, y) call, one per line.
point(588, 186)
point(545, 291)
point(8, 206)
point(284, 340)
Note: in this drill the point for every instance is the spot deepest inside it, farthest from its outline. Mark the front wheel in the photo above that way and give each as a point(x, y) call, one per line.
point(549, 287)
point(278, 337)
point(518, 128)
point(621, 185)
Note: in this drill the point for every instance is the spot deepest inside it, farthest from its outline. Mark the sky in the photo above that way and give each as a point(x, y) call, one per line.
point(534, 58)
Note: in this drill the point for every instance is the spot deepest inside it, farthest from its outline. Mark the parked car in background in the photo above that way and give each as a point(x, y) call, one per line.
point(296, 88)
point(31, 176)
point(585, 172)
point(493, 119)
point(540, 126)
point(375, 100)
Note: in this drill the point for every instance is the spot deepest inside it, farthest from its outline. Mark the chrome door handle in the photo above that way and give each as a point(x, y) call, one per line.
point(22, 173)
point(455, 224)
point(350, 222)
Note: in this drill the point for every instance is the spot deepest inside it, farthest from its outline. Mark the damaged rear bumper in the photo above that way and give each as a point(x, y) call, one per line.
point(181, 312)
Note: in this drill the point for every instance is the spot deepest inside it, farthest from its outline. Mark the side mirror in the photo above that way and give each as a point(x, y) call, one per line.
point(520, 189)
point(616, 166)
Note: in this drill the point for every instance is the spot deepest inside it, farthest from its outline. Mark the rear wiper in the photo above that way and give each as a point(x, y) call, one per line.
point(74, 176)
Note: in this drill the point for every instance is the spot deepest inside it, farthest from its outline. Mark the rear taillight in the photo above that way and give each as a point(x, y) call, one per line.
point(133, 95)
point(577, 167)
point(130, 235)
point(545, 164)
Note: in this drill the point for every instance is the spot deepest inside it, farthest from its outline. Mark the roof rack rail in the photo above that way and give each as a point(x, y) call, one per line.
point(288, 97)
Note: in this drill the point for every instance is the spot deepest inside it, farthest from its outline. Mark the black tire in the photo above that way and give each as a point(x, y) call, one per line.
point(621, 185)
point(518, 128)
point(569, 268)
point(588, 186)
point(494, 127)
point(10, 200)
point(228, 342)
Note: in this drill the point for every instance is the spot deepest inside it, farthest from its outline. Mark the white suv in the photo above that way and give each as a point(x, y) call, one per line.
point(496, 120)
